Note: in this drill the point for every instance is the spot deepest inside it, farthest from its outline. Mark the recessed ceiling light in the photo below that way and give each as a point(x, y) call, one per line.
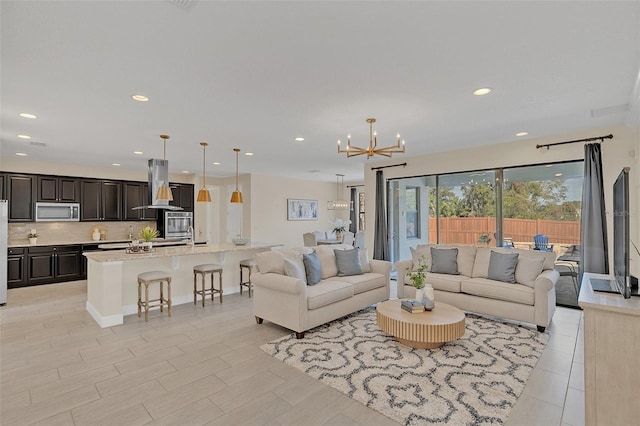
point(140, 98)
point(186, 171)
point(215, 163)
point(482, 91)
point(548, 165)
point(115, 164)
point(522, 133)
point(558, 174)
point(138, 152)
point(298, 139)
point(24, 137)
point(248, 154)
point(21, 154)
point(27, 115)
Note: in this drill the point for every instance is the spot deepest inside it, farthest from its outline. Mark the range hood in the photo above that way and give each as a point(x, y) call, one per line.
point(158, 175)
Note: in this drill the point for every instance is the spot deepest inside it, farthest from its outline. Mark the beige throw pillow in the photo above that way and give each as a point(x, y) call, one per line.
point(528, 270)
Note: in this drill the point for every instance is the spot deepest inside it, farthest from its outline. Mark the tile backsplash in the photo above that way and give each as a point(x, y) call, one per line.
point(72, 232)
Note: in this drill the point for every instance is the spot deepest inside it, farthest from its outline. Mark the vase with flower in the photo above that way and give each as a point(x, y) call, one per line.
point(339, 227)
point(424, 292)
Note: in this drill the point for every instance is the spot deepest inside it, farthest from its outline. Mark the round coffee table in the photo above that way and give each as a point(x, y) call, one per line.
point(424, 330)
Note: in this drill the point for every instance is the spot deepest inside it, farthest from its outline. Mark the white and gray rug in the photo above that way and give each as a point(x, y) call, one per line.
point(474, 380)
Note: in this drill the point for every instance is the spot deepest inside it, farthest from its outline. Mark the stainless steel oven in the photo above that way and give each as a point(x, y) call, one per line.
point(177, 224)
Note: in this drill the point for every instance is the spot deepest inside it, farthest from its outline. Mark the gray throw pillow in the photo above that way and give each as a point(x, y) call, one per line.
point(444, 261)
point(502, 267)
point(312, 268)
point(348, 262)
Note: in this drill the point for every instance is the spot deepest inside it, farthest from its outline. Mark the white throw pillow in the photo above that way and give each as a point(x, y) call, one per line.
point(327, 261)
point(294, 267)
point(528, 269)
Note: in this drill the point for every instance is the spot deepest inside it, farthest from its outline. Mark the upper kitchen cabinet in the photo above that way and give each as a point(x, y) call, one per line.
point(182, 195)
point(20, 191)
point(137, 194)
point(100, 200)
point(58, 189)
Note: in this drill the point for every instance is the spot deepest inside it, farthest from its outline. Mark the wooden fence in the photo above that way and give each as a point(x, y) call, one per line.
point(467, 230)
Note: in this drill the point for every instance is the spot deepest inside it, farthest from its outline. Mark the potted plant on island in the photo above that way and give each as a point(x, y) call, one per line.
point(147, 234)
point(424, 292)
point(33, 238)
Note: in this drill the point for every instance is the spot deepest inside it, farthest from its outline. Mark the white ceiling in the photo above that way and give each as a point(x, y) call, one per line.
point(254, 75)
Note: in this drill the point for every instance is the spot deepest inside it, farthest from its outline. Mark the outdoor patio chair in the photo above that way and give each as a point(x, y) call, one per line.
point(541, 242)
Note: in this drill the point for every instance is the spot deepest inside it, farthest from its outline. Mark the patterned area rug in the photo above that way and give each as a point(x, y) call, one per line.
point(474, 380)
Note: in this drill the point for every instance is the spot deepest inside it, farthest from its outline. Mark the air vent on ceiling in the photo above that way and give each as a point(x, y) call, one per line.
point(42, 144)
point(183, 4)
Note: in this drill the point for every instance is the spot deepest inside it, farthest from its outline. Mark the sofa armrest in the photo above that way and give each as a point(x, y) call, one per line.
point(546, 281)
point(401, 271)
point(382, 267)
point(278, 282)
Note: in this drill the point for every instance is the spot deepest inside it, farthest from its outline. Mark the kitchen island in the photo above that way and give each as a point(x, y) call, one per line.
point(112, 276)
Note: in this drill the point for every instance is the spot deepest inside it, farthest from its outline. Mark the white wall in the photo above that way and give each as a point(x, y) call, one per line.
point(269, 208)
point(617, 153)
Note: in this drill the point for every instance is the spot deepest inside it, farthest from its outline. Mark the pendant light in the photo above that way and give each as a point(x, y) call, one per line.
point(236, 197)
point(164, 192)
point(203, 194)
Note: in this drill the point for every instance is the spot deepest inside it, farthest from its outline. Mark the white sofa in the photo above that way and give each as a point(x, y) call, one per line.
point(283, 297)
point(531, 299)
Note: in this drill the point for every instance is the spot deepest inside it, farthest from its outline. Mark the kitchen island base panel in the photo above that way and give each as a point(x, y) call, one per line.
point(112, 284)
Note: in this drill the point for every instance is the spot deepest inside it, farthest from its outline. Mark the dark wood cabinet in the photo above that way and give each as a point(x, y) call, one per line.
point(183, 195)
point(100, 200)
point(3, 190)
point(137, 194)
point(55, 188)
point(20, 193)
point(50, 264)
point(16, 276)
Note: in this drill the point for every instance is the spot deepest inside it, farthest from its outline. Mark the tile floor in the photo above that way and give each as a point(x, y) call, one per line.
point(204, 366)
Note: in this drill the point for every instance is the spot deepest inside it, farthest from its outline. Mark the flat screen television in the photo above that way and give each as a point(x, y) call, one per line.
point(621, 235)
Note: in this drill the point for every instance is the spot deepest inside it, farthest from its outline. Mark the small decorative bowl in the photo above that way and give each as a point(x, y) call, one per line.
point(240, 241)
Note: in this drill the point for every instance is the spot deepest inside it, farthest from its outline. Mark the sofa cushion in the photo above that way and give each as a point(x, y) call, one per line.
point(327, 261)
point(364, 260)
point(466, 258)
point(528, 270)
point(444, 282)
point(294, 267)
point(481, 263)
point(422, 250)
point(364, 282)
point(502, 266)
point(491, 289)
point(327, 292)
point(444, 261)
point(273, 260)
point(312, 268)
point(548, 256)
point(348, 262)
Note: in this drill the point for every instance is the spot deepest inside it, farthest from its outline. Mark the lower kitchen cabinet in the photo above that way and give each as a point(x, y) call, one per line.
point(51, 264)
point(16, 272)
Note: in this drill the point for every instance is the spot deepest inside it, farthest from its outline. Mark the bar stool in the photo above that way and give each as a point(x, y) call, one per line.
point(203, 270)
point(249, 264)
point(148, 278)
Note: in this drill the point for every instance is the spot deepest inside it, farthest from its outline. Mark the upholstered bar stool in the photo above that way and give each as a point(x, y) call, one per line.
point(248, 264)
point(203, 271)
point(146, 279)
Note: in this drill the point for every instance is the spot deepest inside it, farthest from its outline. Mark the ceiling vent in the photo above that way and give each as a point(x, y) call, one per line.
point(41, 144)
point(183, 4)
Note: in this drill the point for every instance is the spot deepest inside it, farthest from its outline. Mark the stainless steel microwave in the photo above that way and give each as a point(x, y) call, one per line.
point(57, 212)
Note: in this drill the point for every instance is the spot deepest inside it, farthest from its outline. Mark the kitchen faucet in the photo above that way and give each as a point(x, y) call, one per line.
point(190, 235)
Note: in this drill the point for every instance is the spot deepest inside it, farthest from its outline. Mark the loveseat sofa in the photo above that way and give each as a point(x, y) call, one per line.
point(286, 295)
point(478, 281)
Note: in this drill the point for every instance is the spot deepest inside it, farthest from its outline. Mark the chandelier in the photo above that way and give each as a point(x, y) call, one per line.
point(340, 203)
point(373, 149)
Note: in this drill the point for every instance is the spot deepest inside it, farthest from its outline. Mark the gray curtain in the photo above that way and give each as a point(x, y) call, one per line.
point(380, 243)
point(594, 255)
point(352, 215)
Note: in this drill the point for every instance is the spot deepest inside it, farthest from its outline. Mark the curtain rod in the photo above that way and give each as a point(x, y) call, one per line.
point(600, 138)
point(353, 186)
point(393, 165)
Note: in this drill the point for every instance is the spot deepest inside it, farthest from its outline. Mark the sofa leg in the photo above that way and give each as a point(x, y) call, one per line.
point(259, 320)
point(299, 335)
point(541, 329)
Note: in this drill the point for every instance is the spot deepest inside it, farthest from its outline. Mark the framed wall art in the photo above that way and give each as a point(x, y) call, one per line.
point(302, 209)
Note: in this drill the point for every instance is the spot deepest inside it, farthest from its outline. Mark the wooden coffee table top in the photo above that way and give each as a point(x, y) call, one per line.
point(425, 330)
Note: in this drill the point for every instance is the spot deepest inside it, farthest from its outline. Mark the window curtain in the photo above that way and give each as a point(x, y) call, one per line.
point(594, 255)
point(353, 227)
point(380, 243)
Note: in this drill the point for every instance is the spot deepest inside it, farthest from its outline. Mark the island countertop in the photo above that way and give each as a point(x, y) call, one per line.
point(157, 252)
